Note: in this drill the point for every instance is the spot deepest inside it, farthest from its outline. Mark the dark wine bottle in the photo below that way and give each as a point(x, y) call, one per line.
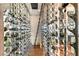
point(5, 38)
point(5, 29)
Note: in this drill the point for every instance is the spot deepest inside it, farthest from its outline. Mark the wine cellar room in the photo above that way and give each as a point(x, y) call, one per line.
point(39, 29)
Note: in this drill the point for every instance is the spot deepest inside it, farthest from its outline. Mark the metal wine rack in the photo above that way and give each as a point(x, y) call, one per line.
point(17, 30)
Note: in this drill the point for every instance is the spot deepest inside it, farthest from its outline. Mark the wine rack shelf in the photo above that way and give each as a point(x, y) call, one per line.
point(17, 30)
point(59, 29)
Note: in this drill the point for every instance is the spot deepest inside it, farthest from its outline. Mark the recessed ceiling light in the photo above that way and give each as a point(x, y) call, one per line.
point(34, 5)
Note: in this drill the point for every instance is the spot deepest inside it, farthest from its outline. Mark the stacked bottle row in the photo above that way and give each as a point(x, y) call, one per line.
point(72, 27)
point(54, 31)
point(44, 29)
point(17, 30)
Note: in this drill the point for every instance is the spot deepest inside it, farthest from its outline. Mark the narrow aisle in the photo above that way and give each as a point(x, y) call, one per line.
point(36, 51)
